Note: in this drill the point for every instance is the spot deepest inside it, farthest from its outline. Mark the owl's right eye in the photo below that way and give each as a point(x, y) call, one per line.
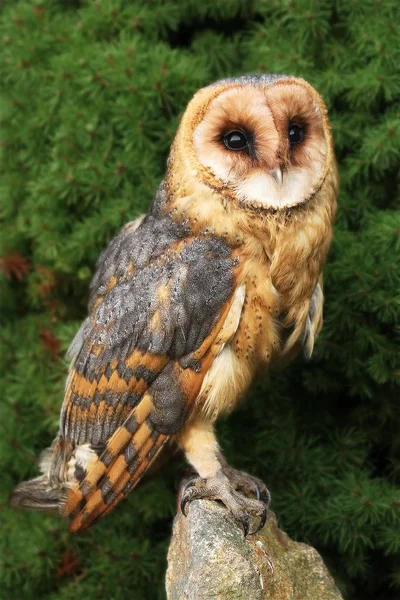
point(235, 140)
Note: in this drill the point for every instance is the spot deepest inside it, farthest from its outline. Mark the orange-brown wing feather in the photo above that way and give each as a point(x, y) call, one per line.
point(135, 445)
point(159, 299)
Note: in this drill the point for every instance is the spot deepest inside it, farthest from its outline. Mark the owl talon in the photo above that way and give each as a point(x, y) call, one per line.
point(185, 496)
point(265, 496)
point(221, 488)
point(183, 506)
point(256, 491)
point(245, 521)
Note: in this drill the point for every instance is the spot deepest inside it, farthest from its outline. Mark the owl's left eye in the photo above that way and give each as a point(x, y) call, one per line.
point(295, 133)
point(235, 140)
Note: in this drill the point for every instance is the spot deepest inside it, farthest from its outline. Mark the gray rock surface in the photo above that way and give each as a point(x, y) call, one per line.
point(209, 559)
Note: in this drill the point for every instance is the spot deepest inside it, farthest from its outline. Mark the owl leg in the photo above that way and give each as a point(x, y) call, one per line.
point(214, 478)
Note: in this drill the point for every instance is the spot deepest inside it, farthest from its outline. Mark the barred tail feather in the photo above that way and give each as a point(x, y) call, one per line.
point(38, 494)
point(48, 491)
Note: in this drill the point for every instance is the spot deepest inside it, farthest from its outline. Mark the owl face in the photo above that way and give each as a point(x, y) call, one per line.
point(263, 143)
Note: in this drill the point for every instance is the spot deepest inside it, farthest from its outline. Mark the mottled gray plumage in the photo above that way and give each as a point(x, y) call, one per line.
point(197, 272)
point(255, 79)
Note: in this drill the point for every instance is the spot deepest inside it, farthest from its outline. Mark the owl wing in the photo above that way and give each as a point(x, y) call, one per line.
point(156, 320)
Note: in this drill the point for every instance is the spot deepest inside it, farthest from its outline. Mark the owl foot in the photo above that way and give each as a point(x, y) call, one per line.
point(247, 484)
point(221, 488)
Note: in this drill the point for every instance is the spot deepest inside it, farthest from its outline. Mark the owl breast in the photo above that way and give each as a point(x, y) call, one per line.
point(257, 337)
point(253, 344)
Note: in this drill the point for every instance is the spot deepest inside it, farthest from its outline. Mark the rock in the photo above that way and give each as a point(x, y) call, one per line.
point(209, 559)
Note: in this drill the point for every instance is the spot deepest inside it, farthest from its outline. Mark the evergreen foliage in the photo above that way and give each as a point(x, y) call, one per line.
point(91, 95)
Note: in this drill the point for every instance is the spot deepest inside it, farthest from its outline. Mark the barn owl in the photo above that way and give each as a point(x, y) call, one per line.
point(220, 279)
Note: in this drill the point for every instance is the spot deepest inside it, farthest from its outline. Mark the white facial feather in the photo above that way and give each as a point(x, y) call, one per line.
point(254, 183)
point(261, 188)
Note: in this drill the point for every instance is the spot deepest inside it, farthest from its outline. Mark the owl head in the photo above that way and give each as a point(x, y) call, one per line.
point(260, 141)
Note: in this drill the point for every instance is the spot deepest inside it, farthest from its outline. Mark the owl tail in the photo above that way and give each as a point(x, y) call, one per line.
point(38, 494)
point(47, 491)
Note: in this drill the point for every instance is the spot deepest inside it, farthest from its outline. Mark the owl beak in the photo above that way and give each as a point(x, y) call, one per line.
point(277, 175)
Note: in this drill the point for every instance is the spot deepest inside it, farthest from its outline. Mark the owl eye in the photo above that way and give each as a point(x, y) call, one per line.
point(235, 140)
point(295, 134)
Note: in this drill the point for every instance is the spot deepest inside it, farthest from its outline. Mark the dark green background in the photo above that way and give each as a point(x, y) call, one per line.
point(91, 95)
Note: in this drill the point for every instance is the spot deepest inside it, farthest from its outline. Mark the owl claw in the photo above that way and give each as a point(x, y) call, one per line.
point(246, 525)
point(256, 490)
point(185, 498)
point(183, 505)
point(221, 488)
